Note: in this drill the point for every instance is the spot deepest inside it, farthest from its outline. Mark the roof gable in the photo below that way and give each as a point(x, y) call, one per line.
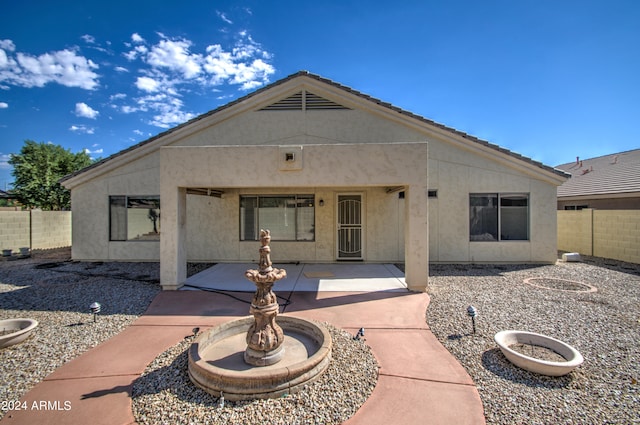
point(278, 96)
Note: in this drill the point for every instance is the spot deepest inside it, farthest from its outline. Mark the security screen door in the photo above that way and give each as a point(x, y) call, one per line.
point(349, 227)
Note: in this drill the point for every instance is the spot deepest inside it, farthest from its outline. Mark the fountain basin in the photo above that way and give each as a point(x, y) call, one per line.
point(504, 339)
point(216, 360)
point(21, 329)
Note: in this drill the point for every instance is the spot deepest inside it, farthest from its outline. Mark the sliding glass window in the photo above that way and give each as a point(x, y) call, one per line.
point(289, 217)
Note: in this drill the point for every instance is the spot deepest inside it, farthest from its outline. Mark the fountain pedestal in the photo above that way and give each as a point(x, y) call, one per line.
point(264, 337)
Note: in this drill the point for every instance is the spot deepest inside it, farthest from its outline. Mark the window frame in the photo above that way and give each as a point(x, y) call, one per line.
point(125, 228)
point(499, 211)
point(297, 198)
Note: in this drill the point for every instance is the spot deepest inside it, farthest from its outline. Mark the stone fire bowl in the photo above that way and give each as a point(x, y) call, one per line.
point(504, 339)
point(21, 327)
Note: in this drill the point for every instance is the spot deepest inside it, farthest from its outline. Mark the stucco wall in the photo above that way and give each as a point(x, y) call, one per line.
point(323, 169)
point(90, 204)
point(455, 173)
point(454, 169)
point(213, 227)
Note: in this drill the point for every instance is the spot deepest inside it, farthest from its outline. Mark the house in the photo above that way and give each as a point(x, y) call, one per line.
point(336, 175)
point(610, 182)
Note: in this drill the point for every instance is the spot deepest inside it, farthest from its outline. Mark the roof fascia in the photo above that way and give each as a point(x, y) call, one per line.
point(600, 196)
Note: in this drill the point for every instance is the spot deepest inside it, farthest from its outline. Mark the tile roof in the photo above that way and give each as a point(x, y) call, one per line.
point(342, 87)
point(610, 174)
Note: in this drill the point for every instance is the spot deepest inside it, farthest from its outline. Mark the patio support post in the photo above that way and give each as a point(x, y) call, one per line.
point(416, 238)
point(173, 218)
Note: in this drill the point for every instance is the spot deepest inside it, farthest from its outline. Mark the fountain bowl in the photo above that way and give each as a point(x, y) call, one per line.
point(216, 360)
point(504, 339)
point(21, 329)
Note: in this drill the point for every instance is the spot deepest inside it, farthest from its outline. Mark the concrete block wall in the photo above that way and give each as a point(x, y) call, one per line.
point(575, 231)
point(14, 230)
point(611, 234)
point(616, 234)
point(51, 229)
point(34, 229)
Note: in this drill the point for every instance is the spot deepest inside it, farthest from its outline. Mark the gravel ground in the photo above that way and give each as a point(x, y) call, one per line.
point(57, 293)
point(604, 326)
point(165, 395)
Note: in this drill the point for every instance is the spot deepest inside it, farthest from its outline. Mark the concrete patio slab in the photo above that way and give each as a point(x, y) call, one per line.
point(315, 277)
point(140, 343)
point(420, 361)
point(361, 309)
point(98, 401)
point(412, 401)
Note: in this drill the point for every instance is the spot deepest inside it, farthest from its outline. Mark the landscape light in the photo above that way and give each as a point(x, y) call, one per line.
point(95, 309)
point(472, 312)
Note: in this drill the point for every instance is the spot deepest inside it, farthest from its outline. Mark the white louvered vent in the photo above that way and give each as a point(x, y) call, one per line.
point(313, 101)
point(302, 101)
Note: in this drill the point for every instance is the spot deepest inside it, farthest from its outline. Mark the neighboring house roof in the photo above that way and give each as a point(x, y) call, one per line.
point(366, 97)
point(614, 174)
point(6, 195)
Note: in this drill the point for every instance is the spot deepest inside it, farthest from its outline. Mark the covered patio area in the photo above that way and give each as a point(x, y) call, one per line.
point(369, 175)
point(304, 277)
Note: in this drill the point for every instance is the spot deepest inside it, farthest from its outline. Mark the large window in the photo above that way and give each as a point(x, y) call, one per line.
point(498, 217)
point(134, 218)
point(289, 217)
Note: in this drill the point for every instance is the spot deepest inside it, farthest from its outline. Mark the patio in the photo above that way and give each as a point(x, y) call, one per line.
point(304, 277)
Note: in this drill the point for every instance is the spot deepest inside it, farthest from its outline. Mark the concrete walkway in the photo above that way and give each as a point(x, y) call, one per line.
point(419, 381)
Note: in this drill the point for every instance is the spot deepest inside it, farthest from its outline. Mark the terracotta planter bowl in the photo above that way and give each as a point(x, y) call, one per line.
point(504, 339)
point(21, 327)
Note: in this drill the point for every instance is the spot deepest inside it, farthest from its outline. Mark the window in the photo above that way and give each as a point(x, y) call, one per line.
point(289, 217)
point(134, 218)
point(498, 217)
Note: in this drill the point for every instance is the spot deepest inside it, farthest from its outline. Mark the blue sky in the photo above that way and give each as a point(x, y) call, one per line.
point(550, 80)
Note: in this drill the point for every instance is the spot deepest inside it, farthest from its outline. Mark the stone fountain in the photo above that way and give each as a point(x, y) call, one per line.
point(265, 336)
point(263, 356)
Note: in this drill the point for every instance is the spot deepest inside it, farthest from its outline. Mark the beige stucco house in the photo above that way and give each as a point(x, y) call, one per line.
point(334, 174)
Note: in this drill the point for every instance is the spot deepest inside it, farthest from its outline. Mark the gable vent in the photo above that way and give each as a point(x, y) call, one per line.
point(302, 101)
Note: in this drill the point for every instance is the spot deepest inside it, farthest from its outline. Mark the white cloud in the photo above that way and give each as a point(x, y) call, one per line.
point(171, 66)
point(118, 96)
point(121, 69)
point(7, 45)
point(89, 151)
point(82, 129)
point(147, 84)
point(136, 38)
point(224, 17)
point(63, 67)
point(138, 132)
point(175, 56)
point(4, 105)
point(88, 38)
point(86, 111)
